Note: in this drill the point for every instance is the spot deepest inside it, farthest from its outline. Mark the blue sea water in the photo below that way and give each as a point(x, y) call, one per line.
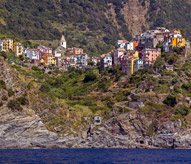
point(94, 156)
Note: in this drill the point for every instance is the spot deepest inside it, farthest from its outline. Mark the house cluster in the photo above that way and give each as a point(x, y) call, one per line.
point(143, 50)
point(62, 56)
point(8, 44)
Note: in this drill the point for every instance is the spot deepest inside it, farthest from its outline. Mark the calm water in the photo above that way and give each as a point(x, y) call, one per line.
point(94, 156)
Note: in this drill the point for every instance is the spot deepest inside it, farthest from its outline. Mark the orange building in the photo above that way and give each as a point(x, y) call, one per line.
point(135, 44)
point(49, 59)
point(77, 50)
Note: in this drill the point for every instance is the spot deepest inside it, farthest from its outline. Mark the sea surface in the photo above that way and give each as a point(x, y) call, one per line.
point(94, 156)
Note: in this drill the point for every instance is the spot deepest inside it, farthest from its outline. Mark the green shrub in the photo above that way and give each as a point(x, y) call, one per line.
point(170, 100)
point(4, 98)
point(14, 105)
point(10, 92)
point(178, 50)
point(90, 76)
point(2, 84)
point(44, 88)
point(3, 54)
point(182, 110)
point(23, 100)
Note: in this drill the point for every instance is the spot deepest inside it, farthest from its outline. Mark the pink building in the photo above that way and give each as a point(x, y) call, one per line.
point(43, 50)
point(124, 64)
point(118, 53)
point(150, 55)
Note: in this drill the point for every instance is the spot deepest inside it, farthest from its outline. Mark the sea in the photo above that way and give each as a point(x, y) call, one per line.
point(95, 156)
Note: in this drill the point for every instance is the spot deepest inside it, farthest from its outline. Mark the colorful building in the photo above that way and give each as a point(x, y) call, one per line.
point(178, 41)
point(18, 49)
point(1, 45)
point(42, 50)
point(150, 55)
point(136, 54)
point(139, 64)
point(81, 60)
point(32, 54)
point(128, 65)
point(77, 50)
point(121, 42)
point(129, 46)
point(7, 44)
point(106, 61)
point(118, 53)
point(135, 44)
point(49, 59)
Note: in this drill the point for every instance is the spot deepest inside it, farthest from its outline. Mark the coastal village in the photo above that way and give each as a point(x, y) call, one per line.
point(142, 51)
point(130, 108)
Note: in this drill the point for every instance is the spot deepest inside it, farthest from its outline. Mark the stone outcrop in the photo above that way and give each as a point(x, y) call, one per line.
point(18, 130)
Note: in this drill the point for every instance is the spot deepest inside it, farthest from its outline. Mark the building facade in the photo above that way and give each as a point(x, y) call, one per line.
point(106, 62)
point(7, 44)
point(150, 55)
point(18, 49)
point(1, 45)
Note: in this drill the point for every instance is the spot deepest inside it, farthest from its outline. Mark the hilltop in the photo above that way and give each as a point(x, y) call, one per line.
point(94, 26)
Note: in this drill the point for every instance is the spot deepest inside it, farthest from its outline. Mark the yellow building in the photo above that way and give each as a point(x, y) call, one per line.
point(77, 50)
point(49, 59)
point(176, 31)
point(18, 48)
point(7, 44)
point(136, 54)
point(131, 66)
point(178, 42)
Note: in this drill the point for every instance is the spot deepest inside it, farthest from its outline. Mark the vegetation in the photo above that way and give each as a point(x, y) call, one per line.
point(2, 84)
point(14, 105)
point(84, 23)
point(10, 92)
point(4, 98)
point(170, 100)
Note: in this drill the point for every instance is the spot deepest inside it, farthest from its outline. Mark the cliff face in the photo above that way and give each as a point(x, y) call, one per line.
point(20, 129)
point(135, 16)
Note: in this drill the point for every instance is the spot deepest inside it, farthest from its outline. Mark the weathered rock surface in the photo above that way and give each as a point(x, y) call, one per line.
point(20, 130)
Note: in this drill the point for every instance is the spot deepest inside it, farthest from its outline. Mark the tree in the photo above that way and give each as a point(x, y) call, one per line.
point(170, 100)
point(3, 54)
point(14, 105)
point(90, 76)
point(182, 110)
point(10, 92)
point(44, 88)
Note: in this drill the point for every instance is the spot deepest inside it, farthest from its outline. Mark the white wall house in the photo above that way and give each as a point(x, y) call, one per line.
point(62, 42)
point(32, 54)
point(1, 45)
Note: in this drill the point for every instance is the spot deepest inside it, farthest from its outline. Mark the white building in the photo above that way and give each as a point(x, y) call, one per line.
point(62, 42)
point(129, 46)
point(32, 54)
point(1, 45)
point(106, 62)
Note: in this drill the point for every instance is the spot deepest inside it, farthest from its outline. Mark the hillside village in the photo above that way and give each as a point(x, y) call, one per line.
point(141, 88)
point(142, 51)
